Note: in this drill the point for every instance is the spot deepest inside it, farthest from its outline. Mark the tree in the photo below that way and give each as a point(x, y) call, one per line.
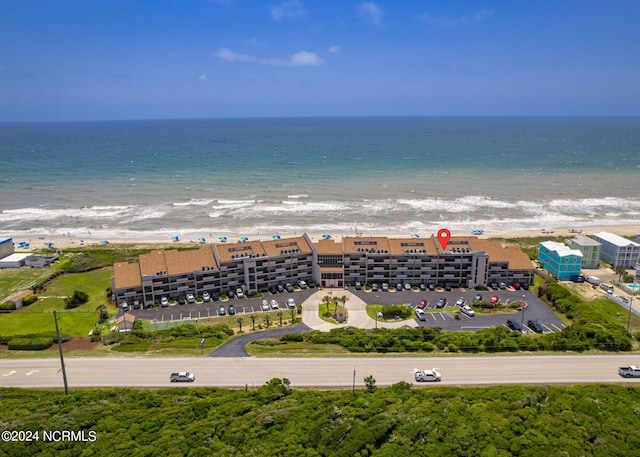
point(370, 382)
point(621, 271)
point(76, 299)
point(239, 320)
point(280, 316)
point(103, 314)
point(253, 322)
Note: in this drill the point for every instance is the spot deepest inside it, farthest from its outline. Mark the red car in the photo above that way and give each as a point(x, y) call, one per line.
point(422, 304)
point(494, 299)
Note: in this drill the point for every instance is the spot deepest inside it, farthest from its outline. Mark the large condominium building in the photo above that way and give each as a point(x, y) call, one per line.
point(560, 260)
point(258, 265)
point(617, 250)
point(590, 249)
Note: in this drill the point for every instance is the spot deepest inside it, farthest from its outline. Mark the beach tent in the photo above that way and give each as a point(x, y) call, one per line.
point(477, 232)
point(201, 240)
point(175, 238)
point(276, 237)
point(222, 238)
point(244, 238)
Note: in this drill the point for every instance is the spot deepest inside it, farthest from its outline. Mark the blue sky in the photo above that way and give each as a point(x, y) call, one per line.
point(130, 59)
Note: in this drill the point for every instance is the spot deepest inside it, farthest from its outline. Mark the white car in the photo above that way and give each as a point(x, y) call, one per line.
point(274, 305)
point(265, 305)
point(302, 284)
point(291, 303)
point(407, 286)
point(468, 311)
point(460, 301)
point(164, 301)
point(239, 292)
point(206, 296)
point(191, 298)
point(432, 375)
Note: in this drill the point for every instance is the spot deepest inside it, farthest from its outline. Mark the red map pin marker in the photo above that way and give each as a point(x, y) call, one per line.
point(444, 236)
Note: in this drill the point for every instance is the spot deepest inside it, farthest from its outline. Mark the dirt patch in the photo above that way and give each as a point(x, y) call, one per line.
point(75, 344)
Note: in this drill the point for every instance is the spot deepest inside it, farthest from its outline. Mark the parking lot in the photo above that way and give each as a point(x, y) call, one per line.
point(435, 317)
point(443, 317)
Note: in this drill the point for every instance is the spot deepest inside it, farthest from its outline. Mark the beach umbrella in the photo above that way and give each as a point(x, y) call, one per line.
point(415, 235)
point(326, 236)
point(202, 240)
point(104, 242)
point(49, 245)
point(175, 238)
point(276, 237)
point(244, 238)
point(222, 238)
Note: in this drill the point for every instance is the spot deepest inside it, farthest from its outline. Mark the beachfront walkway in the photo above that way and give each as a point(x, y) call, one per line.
point(356, 308)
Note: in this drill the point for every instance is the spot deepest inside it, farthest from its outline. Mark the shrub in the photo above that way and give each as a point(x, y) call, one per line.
point(78, 298)
point(30, 343)
point(292, 337)
point(7, 306)
point(29, 299)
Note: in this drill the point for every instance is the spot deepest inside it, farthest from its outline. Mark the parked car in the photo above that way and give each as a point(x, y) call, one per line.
point(239, 292)
point(460, 301)
point(447, 288)
point(280, 288)
point(441, 303)
point(385, 287)
point(374, 287)
point(502, 286)
point(431, 287)
point(468, 311)
point(232, 310)
point(265, 305)
point(273, 289)
point(514, 325)
point(289, 287)
point(206, 296)
point(423, 286)
point(182, 301)
point(525, 286)
point(222, 311)
point(407, 286)
point(136, 304)
point(478, 297)
point(516, 286)
point(421, 315)
point(535, 326)
point(494, 285)
point(423, 303)
point(274, 305)
point(302, 284)
point(291, 303)
point(494, 299)
point(358, 285)
point(191, 298)
point(164, 301)
point(399, 287)
point(215, 297)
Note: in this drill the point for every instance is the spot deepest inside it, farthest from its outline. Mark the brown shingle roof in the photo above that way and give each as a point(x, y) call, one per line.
point(376, 243)
point(126, 275)
point(179, 262)
point(226, 251)
point(328, 247)
point(152, 263)
point(275, 248)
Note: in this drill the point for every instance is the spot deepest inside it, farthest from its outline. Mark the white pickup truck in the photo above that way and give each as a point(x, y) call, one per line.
point(631, 371)
point(432, 375)
point(183, 376)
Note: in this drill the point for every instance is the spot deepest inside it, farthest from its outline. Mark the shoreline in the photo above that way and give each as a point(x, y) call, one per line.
point(61, 241)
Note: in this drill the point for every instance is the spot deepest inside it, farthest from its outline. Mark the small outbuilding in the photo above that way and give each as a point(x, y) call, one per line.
point(13, 261)
point(341, 314)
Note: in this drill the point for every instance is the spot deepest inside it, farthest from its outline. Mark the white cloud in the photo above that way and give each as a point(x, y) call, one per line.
point(299, 59)
point(227, 54)
point(371, 12)
point(202, 77)
point(305, 58)
point(333, 49)
point(292, 9)
point(445, 22)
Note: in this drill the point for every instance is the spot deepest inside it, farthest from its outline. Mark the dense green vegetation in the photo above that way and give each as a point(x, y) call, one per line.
point(276, 420)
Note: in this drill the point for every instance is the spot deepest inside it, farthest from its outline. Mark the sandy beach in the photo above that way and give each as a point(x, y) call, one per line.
point(61, 241)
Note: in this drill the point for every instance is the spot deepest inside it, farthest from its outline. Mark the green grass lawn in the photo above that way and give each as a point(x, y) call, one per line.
point(38, 317)
point(14, 280)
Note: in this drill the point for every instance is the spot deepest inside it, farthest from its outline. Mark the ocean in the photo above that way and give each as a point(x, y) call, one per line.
point(345, 176)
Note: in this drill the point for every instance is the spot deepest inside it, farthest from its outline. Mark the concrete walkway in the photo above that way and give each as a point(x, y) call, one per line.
point(356, 308)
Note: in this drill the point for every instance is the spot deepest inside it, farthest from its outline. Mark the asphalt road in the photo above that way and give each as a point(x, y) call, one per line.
point(323, 372)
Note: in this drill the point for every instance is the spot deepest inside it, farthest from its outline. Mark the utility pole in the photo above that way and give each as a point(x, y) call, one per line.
point(64, 371)
point(629, 318)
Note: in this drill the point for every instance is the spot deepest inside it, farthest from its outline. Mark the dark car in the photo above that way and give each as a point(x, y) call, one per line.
point(232, 310)
point(422, 304)
point(289, 287)
point(494, 285)
point(280, 288)
point(273, 289)
point(525, 286)
point(182, 301)
point(514, 325)
point(432, 287)
point(535, 326)
point(215, 297)
point(478, 297)
point(358, 285)
point(423, 286)
point(374, 287)
point(441, 303)
point(447, 288)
